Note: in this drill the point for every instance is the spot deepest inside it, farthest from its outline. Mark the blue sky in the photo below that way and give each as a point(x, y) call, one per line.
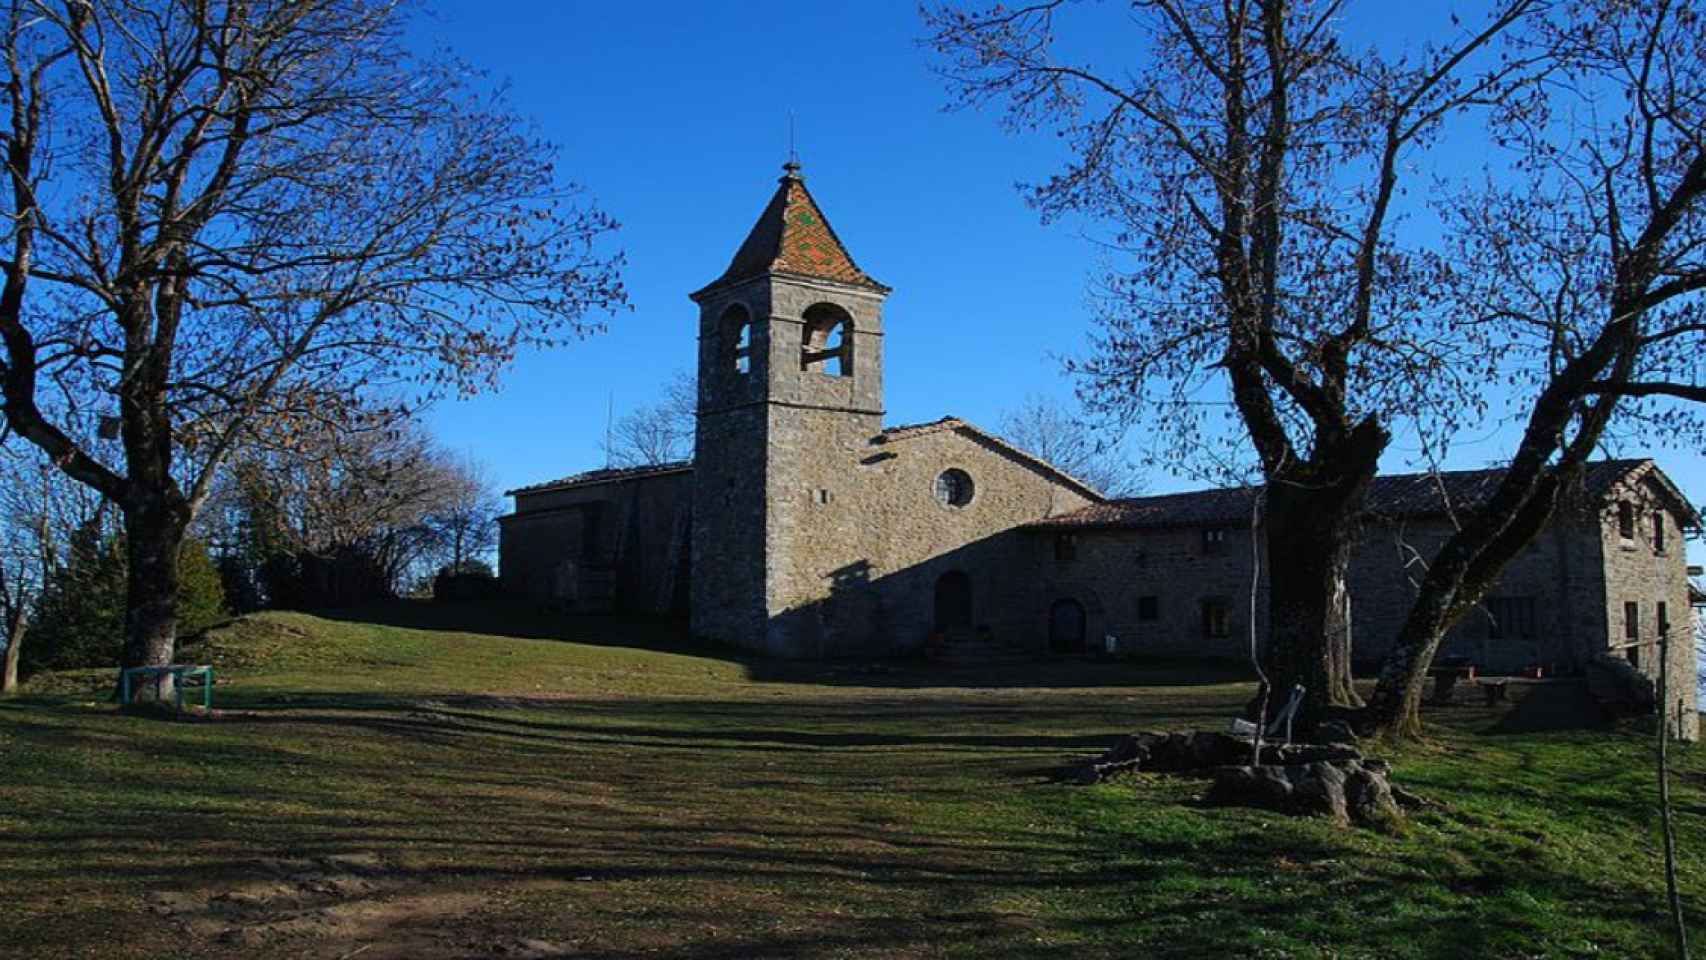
point(675, 117)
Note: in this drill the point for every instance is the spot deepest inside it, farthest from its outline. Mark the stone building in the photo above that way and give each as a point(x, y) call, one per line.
point(1173, 575)
point(805, 528)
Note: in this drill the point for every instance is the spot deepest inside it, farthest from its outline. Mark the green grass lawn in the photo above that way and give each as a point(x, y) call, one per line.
point(430, 784)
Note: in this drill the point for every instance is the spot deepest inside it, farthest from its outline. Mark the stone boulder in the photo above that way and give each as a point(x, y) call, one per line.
point(1345, 791)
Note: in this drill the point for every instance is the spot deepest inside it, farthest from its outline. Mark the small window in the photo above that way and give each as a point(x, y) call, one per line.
point(737, 340)
point(1664, 620)
point(1631, 620)
point(1658, 532)
point(1626, 520)
point(821, 497)
point(1214, 541)
point(1148, 608)
point(1065, 547)
point(1512, 618)
point(1633, 655)
point(954, 488)
point(1216, 618)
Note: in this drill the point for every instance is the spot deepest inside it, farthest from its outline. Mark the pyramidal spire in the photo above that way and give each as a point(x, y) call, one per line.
point(793, 238)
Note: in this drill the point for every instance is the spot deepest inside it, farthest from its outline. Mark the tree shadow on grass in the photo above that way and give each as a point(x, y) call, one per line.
point(636, 826)
point(667, 636)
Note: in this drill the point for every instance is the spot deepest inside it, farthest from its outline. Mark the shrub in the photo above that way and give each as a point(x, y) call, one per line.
point(80, 622)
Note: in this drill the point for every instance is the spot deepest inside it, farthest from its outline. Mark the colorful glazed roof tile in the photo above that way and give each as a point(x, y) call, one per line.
point(793, 238)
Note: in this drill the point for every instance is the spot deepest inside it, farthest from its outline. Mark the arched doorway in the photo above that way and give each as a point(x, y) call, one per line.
point(953, 602)
point(1066, 626)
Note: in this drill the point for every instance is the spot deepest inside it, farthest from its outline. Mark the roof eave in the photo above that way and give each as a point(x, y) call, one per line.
point(725, 282)
point(559, 486)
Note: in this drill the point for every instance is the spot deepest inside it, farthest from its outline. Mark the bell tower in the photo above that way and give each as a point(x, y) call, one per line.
point(790, 390)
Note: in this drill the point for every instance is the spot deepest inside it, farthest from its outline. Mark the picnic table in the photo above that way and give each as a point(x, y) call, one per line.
point(179, 672)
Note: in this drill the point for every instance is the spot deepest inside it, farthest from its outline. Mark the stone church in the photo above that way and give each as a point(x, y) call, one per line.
point(806, 528)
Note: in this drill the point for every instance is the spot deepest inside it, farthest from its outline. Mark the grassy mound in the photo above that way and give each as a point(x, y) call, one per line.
point(427, 783)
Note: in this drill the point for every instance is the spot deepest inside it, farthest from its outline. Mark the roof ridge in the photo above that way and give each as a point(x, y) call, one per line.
point(1389, 494)
point(604, 475)
point(951, 422)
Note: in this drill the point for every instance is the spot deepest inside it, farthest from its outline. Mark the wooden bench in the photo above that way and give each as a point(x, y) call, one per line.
point(179, 672)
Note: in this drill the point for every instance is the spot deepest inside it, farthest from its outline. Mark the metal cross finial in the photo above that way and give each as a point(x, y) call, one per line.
point(792, 167)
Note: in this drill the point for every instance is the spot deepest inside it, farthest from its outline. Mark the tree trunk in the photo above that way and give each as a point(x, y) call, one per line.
point(1396, 706)
point(14, 645)
point(154, 534)
point(1310, 534)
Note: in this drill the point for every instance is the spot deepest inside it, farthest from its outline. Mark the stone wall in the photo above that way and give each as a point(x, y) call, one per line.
point(758, 428)
point(1147, 587)
point(859, 539)
point(618, 545)
point(813, 535)
point(1111, 571)
point(1546, 596)
point(1638, 572)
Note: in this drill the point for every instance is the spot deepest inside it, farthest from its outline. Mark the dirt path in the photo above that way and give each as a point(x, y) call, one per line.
point(338, 908)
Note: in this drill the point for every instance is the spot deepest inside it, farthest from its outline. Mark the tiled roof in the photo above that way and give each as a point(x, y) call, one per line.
point(608, 475)
point(793, 237)
point(907, 430)
point(910, 430)
point(1397, 495)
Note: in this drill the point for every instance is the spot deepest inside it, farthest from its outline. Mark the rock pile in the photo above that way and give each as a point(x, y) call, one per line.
point(1346, 791)
point(1200, 750)
point(1309, 779)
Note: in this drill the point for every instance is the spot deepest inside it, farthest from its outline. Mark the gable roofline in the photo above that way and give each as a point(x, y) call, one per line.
point(1648, 469)
point(955, 424)
point(605, 475)
point(792, 238)
point(1391, 496)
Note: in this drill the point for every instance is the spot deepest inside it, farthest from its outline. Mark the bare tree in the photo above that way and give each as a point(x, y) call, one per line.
point(353, 515)
point(226, 219)
point(1590, 261)
point(660, 432)
point(20, 584)
point(1251, 167)
point(40, 508)
point(1041, 427)
point(464, 521)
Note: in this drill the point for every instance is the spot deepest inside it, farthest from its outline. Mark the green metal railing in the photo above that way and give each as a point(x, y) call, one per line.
point(179, 673)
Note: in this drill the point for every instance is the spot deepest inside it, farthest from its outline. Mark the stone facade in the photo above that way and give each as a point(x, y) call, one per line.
point(813, 530)
point(816, 532)
point(1148, 578)
point(612, 540)
point(1646, 575)
point(804, 528)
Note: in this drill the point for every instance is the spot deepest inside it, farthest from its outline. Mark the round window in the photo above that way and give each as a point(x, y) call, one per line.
point(954, 488)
